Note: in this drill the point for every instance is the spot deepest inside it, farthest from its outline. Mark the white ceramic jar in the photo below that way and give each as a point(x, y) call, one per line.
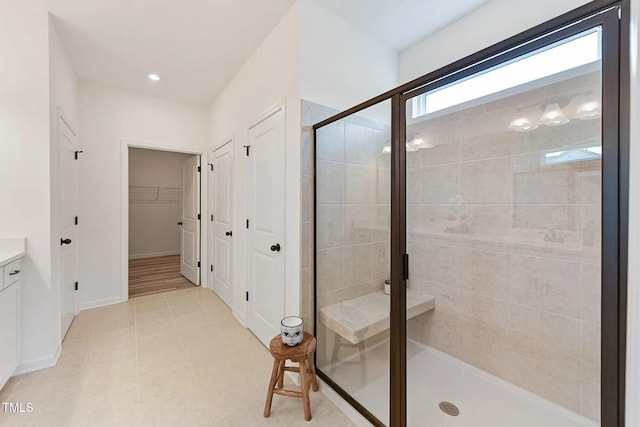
point(292, 330)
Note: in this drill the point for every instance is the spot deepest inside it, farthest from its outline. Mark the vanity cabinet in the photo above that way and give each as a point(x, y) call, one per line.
point(10, 274)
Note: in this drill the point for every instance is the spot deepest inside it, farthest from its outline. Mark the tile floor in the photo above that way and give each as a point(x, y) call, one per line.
point(173, 359)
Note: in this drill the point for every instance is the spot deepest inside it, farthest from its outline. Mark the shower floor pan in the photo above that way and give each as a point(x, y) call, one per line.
point(434, 377)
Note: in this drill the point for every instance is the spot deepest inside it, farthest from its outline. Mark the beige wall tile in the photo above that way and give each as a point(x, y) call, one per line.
point(551, 185)
point(592, 184)
point(487, 181)
point(487, 273)
point(380, 261)
point(498, 144)
point(307, 197)
point(439, 184)
point(548, 217)
point(330, 269)
point(360, 185)
point(306, 151)
point(357, 264)
point(590, 399)
point(548, 284)
point(445, 151)
point(331, 226)
point(592, 225)
point(490, 220)
point(360, 147)
point(330, 142)
point(591, 297)
point(360, 222)
point(331, 183)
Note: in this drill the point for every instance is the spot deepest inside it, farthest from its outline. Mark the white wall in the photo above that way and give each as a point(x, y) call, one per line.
point(270, 76)
point(633, 333)
point(108, 116)
point(62, 101)
point(341, 65)
point(491, 23)
point(153, 226)
point(24, 165)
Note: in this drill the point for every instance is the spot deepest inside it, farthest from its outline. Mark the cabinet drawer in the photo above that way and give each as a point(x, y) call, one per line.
point(11, 273)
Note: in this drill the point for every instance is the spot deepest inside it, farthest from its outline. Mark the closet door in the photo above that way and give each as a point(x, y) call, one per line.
point(190, 230)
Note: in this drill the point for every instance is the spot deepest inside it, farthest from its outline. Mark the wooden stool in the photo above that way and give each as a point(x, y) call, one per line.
point(303, 354)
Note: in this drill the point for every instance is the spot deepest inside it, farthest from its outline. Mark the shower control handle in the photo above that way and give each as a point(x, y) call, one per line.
point(276, 247)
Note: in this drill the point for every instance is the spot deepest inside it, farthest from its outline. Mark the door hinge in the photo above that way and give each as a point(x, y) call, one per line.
point(211, 267)
point(76, 154)
point(247, 297)
point(619, 13)
point(75, 220)
point(211, 217)
point(198, 168)
point(198, 264)
point(247, 224)
point(198, 216)
point(76, 286)
point(247, 147)
point(405, 266)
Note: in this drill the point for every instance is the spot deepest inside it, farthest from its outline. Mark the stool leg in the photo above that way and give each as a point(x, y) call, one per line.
point(283, 363)
point(312, 372)
point(272, 384)
point(304, 379)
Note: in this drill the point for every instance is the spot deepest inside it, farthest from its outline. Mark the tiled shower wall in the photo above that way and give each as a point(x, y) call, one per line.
point(354, 206)
point(311, 114)
point(483, 214)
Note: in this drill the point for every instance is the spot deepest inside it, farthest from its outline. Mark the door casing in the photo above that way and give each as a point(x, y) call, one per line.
point(213, 266)
point(125, 144)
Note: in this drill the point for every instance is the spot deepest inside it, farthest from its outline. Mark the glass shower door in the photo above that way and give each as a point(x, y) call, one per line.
point(353, 205)
point(504, 230)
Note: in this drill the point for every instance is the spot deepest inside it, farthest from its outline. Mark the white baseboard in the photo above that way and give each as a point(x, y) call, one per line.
point(101, 303)
point(151, 255)
point(239, 319)
point(356, 417)
point(37, 364)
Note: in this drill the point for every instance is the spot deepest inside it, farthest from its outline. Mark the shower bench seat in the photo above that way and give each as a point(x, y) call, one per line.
point(360, 318)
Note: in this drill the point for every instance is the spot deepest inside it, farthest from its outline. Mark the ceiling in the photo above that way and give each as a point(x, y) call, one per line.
point(196, 46)
point(400, 23)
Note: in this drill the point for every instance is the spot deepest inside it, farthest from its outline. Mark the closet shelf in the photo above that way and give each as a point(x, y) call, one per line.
point(155, 195)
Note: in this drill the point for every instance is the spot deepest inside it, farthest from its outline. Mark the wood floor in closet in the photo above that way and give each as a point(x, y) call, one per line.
point(156, 274)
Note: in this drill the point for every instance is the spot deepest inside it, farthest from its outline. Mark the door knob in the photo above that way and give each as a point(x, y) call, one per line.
point(180, 223)
point(276, 247)
point(228, 233)
point(65, 242)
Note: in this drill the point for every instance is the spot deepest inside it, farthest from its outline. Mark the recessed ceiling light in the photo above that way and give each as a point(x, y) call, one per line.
point(154, 77)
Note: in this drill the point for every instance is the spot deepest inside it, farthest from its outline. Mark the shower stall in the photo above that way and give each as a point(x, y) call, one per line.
point(490, 198)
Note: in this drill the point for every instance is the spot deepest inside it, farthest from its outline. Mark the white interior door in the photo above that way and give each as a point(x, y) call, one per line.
point(190, 231)
point(68, 199)
point(266, 263)
point(220, 217)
